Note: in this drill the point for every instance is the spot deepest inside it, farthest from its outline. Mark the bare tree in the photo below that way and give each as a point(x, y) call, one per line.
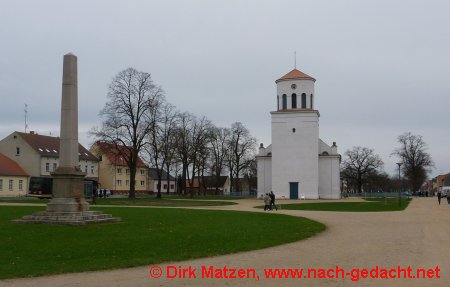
point(184, 145)
point(161, 139)
point(131, 97)
point(416, 161)
point(200, 138)
point(219, 152)
point(359, 164)
point(242, 148)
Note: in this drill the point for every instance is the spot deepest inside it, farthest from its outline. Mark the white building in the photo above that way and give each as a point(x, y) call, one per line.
point(298, 164)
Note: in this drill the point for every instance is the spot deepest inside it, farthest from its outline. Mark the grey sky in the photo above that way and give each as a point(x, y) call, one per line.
point(382, 67)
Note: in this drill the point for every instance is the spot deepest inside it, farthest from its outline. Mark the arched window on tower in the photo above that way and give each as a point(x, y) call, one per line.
point(303, 101)
point(312, 106)
point(278, 102)
point(284, 104)
point(294, 101)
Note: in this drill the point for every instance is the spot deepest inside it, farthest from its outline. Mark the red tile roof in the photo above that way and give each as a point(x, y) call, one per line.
point(295, 75)
point(115, 154)
point(49, 146)
point(9, 167)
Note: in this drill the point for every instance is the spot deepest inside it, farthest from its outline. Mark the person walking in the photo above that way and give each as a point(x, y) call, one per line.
point(272, 201)
point(94, 196)
point(266, 202)
point(439, 195)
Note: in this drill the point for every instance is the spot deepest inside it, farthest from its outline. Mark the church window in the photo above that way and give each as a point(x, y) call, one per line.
point(303, 101)
point(293, 130)
point(294, 101)
point(284, 98)
point(278, 102)
point(311, 101)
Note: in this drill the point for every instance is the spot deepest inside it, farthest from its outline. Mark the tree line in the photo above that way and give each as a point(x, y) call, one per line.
point(362, 168)
point(139, 122)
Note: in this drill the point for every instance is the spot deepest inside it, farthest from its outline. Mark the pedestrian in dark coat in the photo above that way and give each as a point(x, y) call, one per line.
point(272, 201)
point(439, 195)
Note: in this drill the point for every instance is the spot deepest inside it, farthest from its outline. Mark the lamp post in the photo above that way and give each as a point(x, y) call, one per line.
point(399, 185)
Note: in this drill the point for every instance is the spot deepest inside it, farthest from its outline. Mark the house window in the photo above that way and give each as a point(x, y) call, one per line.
point(303, 101)
point(284, 104)
point(127, 182)
point(127, 171)
point(142, 183)
point(119, 170)
point(142, 172)
point(20, 184)
point(10, 184)
point(85, 168)
point(1, 184)
point(54, 166)
point(119, 182)
point(47, 167)
point(294, 101)
point(92, 169)
point(17, 150)
point(172, 186)
point(165, 186)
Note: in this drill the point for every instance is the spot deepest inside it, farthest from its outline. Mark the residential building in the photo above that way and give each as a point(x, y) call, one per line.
point(168, 182)
point(114, 172)
point(38, 155)
point(209, 185)
point(13, 179)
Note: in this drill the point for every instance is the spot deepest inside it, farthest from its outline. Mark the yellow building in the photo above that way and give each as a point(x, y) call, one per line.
point(13, 179)
point(114, 173)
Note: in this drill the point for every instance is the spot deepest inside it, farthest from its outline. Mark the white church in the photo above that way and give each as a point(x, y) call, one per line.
point(298, 164)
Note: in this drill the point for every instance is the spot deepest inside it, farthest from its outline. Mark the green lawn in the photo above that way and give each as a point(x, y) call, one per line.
point(371, 205)
point(152, 201)
point(145, 236)
point(140, 201)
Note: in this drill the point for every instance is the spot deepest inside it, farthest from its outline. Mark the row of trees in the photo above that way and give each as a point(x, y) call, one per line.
point(363, 169)
point(138, 118)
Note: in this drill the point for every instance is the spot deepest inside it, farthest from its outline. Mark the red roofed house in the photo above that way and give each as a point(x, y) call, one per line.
point(114, 173)
point(13, 179)
point(38, 155)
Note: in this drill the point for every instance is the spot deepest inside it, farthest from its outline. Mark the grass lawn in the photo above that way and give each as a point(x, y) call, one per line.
point(145, 236)
point(152, 201)
point(370, 205)
point(142, 201)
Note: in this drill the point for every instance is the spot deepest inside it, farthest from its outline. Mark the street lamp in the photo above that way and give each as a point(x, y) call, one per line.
point(399, 185)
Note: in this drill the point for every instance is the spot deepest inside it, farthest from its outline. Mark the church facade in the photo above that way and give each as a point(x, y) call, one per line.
point(298, 164)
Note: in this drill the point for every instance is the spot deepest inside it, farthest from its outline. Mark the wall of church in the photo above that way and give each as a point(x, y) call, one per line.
point(295, 153)
point(264, 174)
point(329, 177)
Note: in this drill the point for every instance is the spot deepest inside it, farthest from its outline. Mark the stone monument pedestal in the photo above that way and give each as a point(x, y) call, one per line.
point(69, 186)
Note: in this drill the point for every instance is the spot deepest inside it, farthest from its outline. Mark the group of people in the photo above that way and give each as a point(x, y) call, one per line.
point(269, 201)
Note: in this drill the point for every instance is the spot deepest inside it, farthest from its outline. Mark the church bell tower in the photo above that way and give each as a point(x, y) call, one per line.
point(295, 136)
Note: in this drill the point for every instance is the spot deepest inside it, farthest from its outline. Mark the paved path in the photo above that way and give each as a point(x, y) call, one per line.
point(418, 237)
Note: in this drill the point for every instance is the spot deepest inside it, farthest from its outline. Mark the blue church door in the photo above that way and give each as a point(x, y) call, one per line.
point(293, 190)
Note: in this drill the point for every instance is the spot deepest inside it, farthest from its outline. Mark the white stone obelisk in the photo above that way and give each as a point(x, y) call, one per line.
point(68, 185)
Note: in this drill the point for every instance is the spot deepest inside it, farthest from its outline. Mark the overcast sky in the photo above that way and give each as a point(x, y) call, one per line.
point(382, 67)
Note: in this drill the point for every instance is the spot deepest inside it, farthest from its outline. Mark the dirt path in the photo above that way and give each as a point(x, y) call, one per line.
point(418, 237)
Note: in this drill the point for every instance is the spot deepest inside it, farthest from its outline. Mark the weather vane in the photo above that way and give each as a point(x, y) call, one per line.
point(295, 59)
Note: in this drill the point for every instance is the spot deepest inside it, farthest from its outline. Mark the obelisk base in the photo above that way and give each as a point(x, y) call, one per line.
point(68, 205)
point(68, 191)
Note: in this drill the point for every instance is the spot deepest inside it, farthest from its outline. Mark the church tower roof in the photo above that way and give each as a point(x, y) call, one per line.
point(295, 75)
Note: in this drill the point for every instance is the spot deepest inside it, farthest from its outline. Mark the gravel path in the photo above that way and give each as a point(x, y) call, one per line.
point(418, 237)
